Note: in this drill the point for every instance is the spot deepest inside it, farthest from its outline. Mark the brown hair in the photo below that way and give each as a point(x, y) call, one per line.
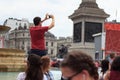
point(78, 61)
point(112, 55)
point(34, 71)
point(45, 63)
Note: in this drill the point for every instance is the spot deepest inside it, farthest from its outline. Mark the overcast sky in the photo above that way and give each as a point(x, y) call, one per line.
point(61, 9)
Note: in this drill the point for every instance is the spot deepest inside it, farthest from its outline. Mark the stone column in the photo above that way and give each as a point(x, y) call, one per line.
point(103, 28)
point(83, 32)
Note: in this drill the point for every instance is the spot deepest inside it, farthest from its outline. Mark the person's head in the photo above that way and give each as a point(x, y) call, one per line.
point(97, 64)
point(116, 64)
point(78, 66)
point(104, 65)
point(112, 55)
point(34, 71)
point(45, 63)
point(37, 21)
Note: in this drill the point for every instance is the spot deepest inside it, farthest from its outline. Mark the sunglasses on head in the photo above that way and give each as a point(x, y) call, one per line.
point(70, 78)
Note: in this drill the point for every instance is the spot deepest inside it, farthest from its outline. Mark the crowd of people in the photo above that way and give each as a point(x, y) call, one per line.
point(111, 68)
point(76, 65)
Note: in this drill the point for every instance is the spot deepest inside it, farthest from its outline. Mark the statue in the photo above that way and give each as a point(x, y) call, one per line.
point(62, 51)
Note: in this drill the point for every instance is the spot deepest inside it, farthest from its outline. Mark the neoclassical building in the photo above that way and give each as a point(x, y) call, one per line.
point(51, 44)
point(15, 23)
point(66, 41)
point(18, 37)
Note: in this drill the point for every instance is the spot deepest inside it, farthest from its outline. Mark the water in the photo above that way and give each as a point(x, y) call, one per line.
point(13, 75)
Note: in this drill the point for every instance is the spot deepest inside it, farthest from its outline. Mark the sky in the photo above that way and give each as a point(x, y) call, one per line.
point(61, 9)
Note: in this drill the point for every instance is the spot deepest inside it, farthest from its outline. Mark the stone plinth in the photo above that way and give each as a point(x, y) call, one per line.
point(88, 20)
point(88, 48)
point(12, 60)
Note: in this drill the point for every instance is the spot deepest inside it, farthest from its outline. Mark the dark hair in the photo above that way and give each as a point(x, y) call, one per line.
point(104, 65)
point(34, 71)
point(116, 64)
point(112, 55)
point(36, 21)
point(78, 61)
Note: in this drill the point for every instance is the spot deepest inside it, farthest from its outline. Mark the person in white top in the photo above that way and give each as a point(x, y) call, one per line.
point(34, 70)
point(22, 75)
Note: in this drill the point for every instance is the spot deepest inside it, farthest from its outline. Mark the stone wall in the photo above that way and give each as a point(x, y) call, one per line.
point(12, 60)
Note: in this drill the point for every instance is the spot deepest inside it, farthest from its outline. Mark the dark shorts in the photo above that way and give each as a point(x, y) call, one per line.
point(37, 52)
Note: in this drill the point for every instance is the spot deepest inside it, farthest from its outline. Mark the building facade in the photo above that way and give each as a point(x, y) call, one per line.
point(51, 44)
point(15, 23)
point(20, 39)
point(64, 43)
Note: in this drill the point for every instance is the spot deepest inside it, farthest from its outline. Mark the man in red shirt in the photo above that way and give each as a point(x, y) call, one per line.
point(37, 33)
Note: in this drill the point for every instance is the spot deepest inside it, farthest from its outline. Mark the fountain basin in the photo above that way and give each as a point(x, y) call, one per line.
point(12, 60)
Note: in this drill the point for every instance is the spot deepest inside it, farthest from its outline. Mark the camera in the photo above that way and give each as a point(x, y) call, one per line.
point(49, 16)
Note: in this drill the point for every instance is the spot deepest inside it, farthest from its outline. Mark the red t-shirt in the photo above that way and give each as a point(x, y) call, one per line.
point(37, 37)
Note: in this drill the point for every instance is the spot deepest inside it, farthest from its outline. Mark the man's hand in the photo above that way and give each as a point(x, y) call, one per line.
point(51, 16)
point(52, 23)
point(46, 17)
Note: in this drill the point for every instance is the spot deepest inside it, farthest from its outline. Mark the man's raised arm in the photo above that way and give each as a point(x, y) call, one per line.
point(52, 23)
